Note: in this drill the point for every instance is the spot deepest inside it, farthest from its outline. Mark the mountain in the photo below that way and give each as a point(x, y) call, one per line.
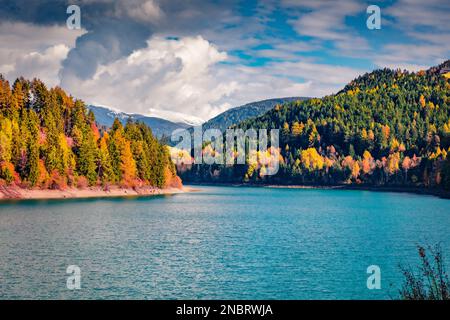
point(385, 128)
point(238, 114)
point(160, 127)
point(163, 128)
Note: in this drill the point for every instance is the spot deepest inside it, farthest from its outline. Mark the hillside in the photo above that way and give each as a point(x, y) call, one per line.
point(48, 140)
point(160, 127)
point(387, 127)
point(238, 114)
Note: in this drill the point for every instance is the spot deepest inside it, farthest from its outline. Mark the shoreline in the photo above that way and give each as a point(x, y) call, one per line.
point(413, 190)
point(444, 194)
point(14, 193)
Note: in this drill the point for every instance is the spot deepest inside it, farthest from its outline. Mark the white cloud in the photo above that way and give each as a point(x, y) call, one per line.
point(430, 15)
point(325, 20)
point(182, 78)
point(167, 75)
point(45, 64)
point(323, 75)
point(412, 57)
point(34, 51)
point(189, 78)
point(425, 25)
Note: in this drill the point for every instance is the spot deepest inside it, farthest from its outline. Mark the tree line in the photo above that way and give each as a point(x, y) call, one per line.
point(48, 139)
point(387, 127)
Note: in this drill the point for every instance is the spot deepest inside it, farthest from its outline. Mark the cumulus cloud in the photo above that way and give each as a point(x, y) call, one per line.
point(46, 64)
point(166, 75)
point(34, 51)
point(115, 29)
point(171, 78)
point(114, 63)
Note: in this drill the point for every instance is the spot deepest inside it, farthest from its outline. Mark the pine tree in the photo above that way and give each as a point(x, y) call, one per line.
point(87, 160)
point(105, 170)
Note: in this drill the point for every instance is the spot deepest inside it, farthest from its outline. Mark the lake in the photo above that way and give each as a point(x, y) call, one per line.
point(219, 243)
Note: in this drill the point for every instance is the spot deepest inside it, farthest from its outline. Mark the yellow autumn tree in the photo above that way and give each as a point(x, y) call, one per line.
point(311, 159)
point(393, 163)
point(446, 128)
point(355, 170)
point(127, 164)
point(105, 169)
point(371, 135)
point(297, 128)
point(286, 129)
point(5, 140)
point(364, 134)
point(67, 156)
point(395, 144)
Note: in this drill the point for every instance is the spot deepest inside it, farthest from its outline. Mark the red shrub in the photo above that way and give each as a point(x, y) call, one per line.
point(82, 182)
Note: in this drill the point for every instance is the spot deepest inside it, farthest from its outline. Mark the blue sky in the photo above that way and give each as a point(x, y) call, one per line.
point(194, 59)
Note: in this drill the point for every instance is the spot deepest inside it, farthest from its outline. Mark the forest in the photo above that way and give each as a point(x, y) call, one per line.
point(49, 140)
point(385, 128)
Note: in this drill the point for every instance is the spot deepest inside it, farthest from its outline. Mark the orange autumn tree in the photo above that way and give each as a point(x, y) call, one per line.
point(406, 165)
point(367, 162)
point(355, 170)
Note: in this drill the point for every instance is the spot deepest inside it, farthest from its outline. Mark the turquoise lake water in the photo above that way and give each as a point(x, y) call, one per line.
point(219, 243)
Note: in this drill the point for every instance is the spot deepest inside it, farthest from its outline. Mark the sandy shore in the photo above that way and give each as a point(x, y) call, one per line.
point(16, 193)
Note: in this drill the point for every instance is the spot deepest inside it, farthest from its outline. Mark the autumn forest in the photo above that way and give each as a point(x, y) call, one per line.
point(48, 140)
point(385, 128)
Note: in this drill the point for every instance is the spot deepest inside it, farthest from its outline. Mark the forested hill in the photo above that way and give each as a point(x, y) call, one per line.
point(250, 110)
point(50, 140)
point(387, 127)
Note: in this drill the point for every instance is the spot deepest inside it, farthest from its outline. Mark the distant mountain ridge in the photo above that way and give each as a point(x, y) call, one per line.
point(236, 115)
point(163, 128)
point(160, 127)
